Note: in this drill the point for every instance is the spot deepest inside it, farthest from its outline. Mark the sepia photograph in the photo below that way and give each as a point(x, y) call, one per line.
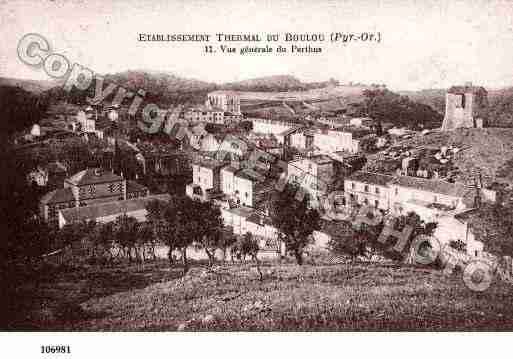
point(259, 166)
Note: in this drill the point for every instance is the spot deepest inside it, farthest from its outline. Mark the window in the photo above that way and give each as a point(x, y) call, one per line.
point(366, 188)
point(366, 201)
point(396, 191)
point(377, 190)
point(246, 194)
point(435, 199)
point(353, 186)
point(376, 203)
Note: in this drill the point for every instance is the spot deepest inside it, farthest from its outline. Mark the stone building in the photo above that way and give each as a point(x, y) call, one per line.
point(464, 107)
point(88, 187)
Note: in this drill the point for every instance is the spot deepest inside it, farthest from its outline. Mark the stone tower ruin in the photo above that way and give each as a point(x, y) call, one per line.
point(464, 107)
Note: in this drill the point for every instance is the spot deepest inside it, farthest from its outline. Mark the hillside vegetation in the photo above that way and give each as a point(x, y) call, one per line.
point(487, 149)
point(347, 296)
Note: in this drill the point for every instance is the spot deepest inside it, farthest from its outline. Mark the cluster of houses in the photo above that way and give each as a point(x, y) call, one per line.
point(328, 159)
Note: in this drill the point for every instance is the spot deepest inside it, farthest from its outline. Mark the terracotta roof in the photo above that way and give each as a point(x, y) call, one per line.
point(370, 177)
point(110, 208)
point(92, 175)
point(58, 196)
point(429, 185)
point(321, 159)
point(290, 131)
point(251, 175)
point(132, 186)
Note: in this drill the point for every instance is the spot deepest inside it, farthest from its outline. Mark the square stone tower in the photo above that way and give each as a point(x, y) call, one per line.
point(464, 107)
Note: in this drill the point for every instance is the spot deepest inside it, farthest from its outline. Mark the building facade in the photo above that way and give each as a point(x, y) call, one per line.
point(228, 101)
point(88, 187)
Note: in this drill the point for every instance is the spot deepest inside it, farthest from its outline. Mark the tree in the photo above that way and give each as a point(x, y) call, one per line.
point(228, 239)
point(348, 241)
point(209, 225)
point(246, 125)
point(294, 220)
point(125, 234)
point(247, 246)
point(372, 235)
point(493, 225)
point(180, 225)
point(146, 240)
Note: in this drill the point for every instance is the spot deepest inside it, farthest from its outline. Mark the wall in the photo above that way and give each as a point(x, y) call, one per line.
point(269, 126)
point(334, 141)
point(244, 186)
point(405, 194)
point(383, 197)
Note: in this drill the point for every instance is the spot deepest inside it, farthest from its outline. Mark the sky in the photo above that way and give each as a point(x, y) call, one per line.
point(425, 44)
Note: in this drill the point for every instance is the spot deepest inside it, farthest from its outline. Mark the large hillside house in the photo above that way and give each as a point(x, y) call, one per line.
point(218, 180)
point(88, 187)
point(433, 200)
point(404, 193)
point(315, 175)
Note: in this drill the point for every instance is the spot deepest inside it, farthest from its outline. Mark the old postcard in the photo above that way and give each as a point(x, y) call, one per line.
point(261, 166)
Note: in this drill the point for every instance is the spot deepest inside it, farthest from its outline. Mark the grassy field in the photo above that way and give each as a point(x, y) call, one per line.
point(359, 296)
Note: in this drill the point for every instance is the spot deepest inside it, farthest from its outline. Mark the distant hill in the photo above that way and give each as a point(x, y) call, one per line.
point(163, 88)
point(34, 86)
point(435, 98)
point(275, 84)
point(500, 107)
point(500, 104)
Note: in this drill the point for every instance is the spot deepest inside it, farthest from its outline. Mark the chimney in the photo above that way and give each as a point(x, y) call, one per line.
point(468, 84)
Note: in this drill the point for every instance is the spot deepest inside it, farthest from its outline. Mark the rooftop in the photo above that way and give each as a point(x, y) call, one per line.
point(59, 195)
point(430, 185)
point(93, 175)
point(370, 177)
point(132, 186)
point(290, 131)
point(110, 208)
point(320, 159)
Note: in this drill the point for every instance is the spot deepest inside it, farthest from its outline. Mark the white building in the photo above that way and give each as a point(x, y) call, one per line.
point(227, 101)
point(87, 121)
point(328, 141)
point(36, 130)
point(313, 174)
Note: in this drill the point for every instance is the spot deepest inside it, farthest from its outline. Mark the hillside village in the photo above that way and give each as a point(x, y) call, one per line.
point(100, 180)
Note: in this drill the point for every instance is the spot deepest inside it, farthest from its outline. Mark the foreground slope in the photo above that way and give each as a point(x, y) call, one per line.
point(359, 296)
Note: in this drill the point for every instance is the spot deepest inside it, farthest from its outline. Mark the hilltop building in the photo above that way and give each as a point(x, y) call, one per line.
point(464, 107)
point(227, 101)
